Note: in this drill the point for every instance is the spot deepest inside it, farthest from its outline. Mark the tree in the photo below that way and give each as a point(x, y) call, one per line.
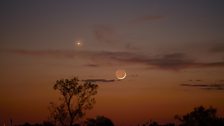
point(99, 121)
point(201, 116)
point(77, 98)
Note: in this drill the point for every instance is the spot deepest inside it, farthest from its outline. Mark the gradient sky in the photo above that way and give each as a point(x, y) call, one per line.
point(172, 51)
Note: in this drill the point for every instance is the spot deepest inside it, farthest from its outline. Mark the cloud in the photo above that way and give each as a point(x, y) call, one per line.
point(46, 53)
point(109, 36)
point(217, 48)
point(105, 34)
point(145, 19)
point(221, 80)
point(215, 86)
point(92, 65)
point(98, 80)
point(130, 46)
point(173, 61)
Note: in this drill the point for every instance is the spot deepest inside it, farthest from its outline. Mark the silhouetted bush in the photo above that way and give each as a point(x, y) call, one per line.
point(153, 123)
point(201, 116)
point(99, 121)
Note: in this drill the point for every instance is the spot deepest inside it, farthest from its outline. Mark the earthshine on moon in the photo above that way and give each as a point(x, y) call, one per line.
point(120, 74)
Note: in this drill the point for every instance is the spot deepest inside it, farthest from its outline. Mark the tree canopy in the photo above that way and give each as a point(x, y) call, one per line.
point(201, 116)
point(76, 98)
point(99, 121)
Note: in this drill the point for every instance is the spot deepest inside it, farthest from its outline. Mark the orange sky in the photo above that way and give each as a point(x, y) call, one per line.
point(172, 53)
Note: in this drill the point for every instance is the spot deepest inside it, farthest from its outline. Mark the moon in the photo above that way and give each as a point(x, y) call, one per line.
point(120, 74)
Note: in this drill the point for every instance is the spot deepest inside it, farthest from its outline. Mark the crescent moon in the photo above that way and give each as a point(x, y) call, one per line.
point(121, 74)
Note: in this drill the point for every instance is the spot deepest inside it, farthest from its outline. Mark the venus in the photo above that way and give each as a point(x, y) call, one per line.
point(78, 43)
point(120, 74)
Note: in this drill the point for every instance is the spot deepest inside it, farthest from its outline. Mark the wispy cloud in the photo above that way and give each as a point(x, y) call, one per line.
point(214, 86)
point(105, 34)
point(98, 80)
point(145, 19)
point(92, 65)
point(130, 46)
point(218, 47)
point(45, 53)
point(110, 36)
point(174, 61)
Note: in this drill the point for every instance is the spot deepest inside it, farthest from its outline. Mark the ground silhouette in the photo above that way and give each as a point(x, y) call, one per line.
point(99, 121)
point(154, 123)
point(45, 123)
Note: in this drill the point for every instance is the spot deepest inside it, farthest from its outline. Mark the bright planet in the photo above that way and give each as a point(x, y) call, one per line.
point(78, 43)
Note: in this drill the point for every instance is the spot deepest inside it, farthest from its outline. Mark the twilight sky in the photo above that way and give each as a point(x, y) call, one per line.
point(172, 51)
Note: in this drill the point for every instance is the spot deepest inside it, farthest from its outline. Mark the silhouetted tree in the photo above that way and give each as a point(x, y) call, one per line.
point(77, 98)
point(201, 117)
point(99, 121)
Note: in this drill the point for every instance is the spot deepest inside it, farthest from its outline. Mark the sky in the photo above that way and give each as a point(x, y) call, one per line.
point(172, 52)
